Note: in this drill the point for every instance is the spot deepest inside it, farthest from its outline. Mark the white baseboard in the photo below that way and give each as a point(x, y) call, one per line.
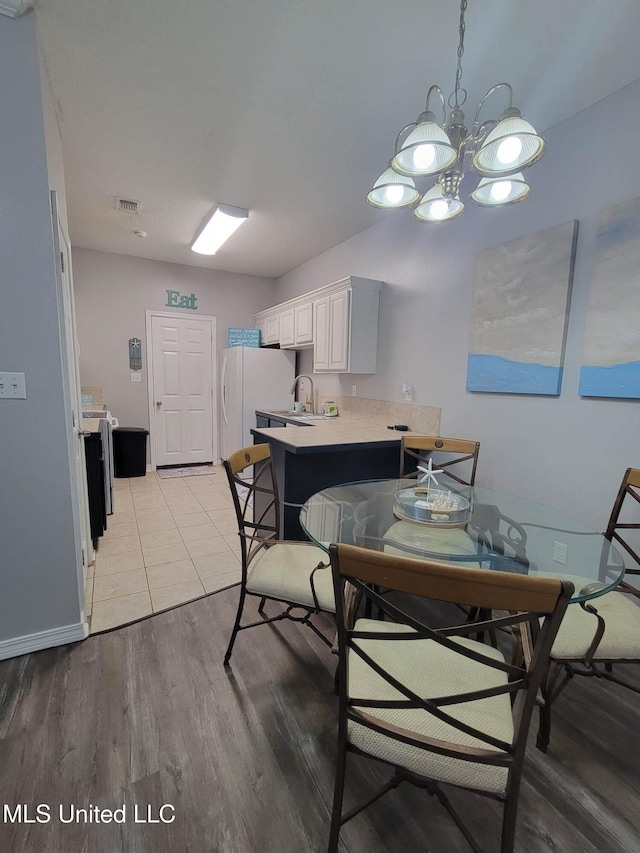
point(150, 468)
point(43, 640)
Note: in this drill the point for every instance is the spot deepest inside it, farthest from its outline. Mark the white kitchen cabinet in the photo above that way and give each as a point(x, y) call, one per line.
point(260, 326)
point(331, 342)
point(321, 333)
point(303, 322)
point(296, 326)
point(286, 333)
point(346, 328)
point(339, 331)
point(339, 320)
point(272, 329)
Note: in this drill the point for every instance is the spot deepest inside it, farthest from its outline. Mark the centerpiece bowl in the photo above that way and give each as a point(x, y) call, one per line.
point(437, 507)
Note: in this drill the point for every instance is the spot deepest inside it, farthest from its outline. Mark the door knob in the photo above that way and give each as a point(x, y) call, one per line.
point(158, 403)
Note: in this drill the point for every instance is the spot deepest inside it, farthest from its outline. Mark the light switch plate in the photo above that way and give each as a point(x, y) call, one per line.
point(135, 377)
point(13, 386)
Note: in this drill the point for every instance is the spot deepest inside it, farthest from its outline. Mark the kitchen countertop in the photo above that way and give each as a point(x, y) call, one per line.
point(329, 434)
point(90, 424)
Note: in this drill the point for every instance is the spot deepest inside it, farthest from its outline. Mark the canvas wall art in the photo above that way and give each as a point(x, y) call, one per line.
point(520, 310)
point(611, 354)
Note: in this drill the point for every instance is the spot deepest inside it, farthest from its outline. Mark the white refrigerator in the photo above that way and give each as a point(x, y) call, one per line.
point(252, 378)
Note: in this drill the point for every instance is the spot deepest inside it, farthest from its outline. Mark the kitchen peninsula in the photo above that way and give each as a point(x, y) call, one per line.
point(315, 454)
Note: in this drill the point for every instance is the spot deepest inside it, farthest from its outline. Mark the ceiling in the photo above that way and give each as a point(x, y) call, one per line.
point(289, 108)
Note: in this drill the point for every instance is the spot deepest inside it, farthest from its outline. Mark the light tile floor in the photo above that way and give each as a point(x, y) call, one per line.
point(168, 542)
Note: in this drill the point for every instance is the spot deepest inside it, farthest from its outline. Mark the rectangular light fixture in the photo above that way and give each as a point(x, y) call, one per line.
point(223, 222)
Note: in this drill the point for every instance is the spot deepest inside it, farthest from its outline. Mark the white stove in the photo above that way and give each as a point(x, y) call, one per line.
point(102, 421)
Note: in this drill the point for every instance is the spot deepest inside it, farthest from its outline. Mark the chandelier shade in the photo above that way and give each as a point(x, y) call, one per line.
point(434, 207)
point(513, 144)
point(426, 150)
point(501, 191)
point(393, 190)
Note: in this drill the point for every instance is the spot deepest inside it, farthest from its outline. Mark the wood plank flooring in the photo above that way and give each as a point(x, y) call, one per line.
point(148, 715)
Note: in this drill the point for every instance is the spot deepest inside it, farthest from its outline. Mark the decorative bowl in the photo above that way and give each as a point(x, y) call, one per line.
point(437, 507)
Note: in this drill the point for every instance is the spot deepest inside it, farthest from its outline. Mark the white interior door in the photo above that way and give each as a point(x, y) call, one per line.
point(182, 384)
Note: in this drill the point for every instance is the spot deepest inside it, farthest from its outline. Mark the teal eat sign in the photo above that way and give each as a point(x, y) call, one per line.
point(175, 300)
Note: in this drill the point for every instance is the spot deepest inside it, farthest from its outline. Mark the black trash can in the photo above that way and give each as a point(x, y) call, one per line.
point(130, 451)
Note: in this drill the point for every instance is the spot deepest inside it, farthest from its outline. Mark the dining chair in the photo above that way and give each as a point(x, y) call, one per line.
point(604, 632)
point(450, 453)
point(294, 574)
point(434, 704)
point(501, 540)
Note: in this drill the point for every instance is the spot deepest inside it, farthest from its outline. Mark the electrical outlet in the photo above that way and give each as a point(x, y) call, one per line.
point(354, 390)
point(560, 553)
point(407, 392)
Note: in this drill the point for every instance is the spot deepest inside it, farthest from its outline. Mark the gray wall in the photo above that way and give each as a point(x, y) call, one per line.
point(38, 563)
point(567, 451)
point(112, 294)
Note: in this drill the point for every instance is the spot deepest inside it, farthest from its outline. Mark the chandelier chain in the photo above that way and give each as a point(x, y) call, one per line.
point(458, 90)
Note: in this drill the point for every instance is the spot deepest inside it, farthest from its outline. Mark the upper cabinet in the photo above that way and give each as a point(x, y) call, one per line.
point(303, 324)
point(287, 333)
point(296, 326)
point(340, 322)
point(331, 350)
point(272, 329)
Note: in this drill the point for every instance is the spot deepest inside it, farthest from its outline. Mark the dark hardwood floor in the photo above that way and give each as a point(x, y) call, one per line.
point(148, 715)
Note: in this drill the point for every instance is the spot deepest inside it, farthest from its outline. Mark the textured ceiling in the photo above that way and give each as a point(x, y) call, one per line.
point(289, 108)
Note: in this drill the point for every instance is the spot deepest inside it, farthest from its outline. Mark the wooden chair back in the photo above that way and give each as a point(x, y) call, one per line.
point(460, 453)
point(534, 609)
point(619, 531)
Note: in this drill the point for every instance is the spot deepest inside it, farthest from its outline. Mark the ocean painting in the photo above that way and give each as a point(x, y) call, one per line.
point(520, 311)
point(611, 355)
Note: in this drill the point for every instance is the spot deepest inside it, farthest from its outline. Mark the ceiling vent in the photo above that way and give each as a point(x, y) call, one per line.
point(128, 205)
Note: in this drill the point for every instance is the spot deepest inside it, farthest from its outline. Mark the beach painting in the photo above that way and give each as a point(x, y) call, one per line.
point(611, 354)
point(520, 311)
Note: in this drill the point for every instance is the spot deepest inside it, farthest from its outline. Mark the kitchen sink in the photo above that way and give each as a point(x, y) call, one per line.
point(304, 417)
point(292, 414)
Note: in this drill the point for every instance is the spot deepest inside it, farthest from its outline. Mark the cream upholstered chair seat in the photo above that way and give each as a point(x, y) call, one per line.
point(621, 638)
point(430, 670)
point(283, 571)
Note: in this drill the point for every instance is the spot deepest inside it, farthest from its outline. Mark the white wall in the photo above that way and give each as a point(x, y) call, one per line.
point(39, 556)
point(112, 294)
point(566, 451)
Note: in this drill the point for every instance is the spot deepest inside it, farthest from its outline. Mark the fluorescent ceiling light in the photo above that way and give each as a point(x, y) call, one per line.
point(220, 227)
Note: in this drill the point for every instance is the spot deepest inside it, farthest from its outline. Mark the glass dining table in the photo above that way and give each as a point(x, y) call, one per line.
point(477, 527)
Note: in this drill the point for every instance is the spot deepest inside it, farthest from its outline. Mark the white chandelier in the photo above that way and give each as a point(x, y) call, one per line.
point(501, 150)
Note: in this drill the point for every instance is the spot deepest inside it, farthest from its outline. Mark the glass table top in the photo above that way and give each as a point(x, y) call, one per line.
point(469, 526)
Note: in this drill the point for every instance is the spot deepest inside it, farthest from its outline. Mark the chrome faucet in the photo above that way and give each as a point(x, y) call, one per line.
point(292, 390)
